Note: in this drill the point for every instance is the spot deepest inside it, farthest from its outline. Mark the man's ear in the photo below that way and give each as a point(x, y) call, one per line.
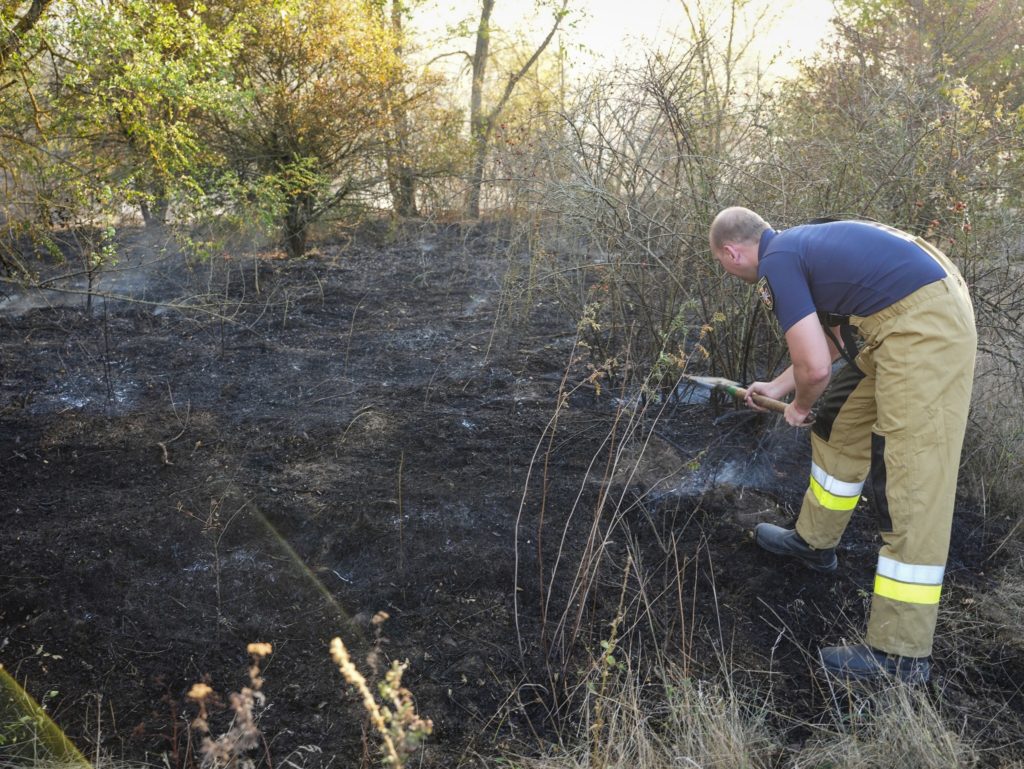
point(732, 251)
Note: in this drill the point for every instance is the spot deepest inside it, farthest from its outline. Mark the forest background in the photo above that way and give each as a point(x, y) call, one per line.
point(277, 124)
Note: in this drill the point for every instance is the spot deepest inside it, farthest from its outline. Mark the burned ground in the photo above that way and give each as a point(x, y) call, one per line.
point(276, 451)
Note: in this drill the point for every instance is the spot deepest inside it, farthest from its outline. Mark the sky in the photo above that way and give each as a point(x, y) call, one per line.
point(617, 29)
point(610, 25)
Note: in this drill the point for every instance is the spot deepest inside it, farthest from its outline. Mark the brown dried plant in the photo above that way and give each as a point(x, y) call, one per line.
point(402, 730)
point(231, 750)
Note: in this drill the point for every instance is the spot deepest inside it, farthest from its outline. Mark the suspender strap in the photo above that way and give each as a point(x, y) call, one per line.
point(848, 348)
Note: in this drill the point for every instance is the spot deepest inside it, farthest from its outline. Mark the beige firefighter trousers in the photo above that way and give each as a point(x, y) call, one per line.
point(910, 410)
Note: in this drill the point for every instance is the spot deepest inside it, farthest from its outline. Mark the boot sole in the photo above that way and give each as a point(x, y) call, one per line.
point(820, 568)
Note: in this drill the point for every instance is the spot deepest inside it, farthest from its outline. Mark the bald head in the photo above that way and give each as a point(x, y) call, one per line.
point(736, 225)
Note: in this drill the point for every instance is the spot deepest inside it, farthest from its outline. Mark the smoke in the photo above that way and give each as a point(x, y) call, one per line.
point(774, 461)
point(143, 265)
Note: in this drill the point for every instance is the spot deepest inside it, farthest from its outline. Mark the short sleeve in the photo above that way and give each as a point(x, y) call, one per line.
point(785, 289)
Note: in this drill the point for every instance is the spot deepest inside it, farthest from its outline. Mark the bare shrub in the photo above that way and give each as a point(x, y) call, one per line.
point(992, 464)
point(622, 185)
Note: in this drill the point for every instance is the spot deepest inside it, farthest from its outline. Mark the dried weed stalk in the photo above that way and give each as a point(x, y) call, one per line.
point(401, 728)
point(231, 749)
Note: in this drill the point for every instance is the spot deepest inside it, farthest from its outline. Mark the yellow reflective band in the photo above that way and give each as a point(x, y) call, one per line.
point(906, 592)
point(830, 500)
point(833, 485)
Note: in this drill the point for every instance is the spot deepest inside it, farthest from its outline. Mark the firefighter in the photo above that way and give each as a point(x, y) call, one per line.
point(898, 407)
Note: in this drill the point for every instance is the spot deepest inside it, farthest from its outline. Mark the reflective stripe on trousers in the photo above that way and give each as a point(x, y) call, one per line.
point(908, 582)
point(833, 493)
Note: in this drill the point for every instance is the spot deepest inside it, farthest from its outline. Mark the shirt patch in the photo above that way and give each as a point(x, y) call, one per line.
point(765, 294)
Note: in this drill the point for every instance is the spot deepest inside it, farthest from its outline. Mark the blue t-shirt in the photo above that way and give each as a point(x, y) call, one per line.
point(844, 268)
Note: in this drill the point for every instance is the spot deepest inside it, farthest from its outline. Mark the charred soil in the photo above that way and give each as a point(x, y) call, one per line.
point(271, 450)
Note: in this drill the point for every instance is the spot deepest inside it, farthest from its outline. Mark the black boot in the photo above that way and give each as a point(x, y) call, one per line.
point(780, 541)
point(861, 662)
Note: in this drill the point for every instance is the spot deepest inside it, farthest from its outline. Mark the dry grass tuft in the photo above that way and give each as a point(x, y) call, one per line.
point(678, 722)
point(897, 727)
point(1002, 608)
point(673, 722)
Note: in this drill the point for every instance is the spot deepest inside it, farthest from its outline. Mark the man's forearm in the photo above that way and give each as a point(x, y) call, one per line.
point(812, 361)
point(784, 383)
point(809, 385)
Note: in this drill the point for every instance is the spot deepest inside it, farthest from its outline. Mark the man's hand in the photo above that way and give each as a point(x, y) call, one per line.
point(777, 389)
point(796, 416)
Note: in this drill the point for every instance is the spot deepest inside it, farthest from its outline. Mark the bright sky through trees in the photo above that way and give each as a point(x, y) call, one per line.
point(609, 26)
point(611, 29)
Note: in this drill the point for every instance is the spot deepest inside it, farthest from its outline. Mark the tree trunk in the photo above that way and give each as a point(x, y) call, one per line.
point(296, 223)
point(478, 123)
point(476, 172)
point(10, 42)
point(404, 192)
point(154, 212)
point(401, 175)
point(481, 123)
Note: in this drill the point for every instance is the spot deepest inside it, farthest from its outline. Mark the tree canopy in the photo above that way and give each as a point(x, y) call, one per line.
point(276, 114)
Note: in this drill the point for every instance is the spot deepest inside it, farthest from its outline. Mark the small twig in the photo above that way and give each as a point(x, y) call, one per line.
point(106, 353)
point(351, 329)
point(165, 456)
point(184, 426)
point(401, 529)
